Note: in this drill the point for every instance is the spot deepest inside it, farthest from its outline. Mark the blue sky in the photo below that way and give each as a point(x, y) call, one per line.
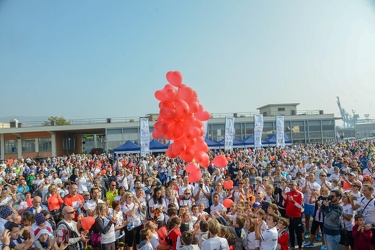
point(97, 59)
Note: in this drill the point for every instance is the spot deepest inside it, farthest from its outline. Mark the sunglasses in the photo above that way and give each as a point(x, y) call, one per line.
point(70, 212)
point(113, 185)
point(187, 193)
point(323, 176)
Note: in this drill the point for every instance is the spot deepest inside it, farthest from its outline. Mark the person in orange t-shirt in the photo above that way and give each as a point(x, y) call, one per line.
point(74, 200)
point(54, 202)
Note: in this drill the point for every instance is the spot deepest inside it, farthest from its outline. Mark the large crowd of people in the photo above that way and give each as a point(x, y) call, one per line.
point(272, 198)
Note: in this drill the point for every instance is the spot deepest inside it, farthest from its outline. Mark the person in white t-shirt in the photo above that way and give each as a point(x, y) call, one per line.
point(214, 241)
point(186, 185)
point(309, 202)
point(268, 239)
point(216, 206)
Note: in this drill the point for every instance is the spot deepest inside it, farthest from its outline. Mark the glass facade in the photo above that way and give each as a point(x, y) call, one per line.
point(28, 145)
point(10, 146)
point(302, 131)
point(116, 137)
point(45, 144)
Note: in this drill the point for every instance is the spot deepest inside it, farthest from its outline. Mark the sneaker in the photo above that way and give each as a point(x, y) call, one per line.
point(307, 235)
point(309, 245)
point(323, 248)
point(319, 237)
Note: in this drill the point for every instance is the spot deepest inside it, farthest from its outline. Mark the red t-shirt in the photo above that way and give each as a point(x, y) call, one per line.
point(173, 235)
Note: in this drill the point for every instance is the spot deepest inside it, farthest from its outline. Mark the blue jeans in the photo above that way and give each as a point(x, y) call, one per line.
point(332, 241)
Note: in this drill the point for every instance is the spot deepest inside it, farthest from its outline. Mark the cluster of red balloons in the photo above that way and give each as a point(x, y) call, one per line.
point(181, 120)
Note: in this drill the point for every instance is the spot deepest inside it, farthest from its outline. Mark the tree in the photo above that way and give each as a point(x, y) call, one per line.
point(56, 121)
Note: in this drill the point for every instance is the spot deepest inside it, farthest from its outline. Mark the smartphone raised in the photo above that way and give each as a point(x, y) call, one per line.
point(62, 236)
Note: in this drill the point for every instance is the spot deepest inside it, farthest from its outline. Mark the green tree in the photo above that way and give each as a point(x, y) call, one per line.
point(56, 121)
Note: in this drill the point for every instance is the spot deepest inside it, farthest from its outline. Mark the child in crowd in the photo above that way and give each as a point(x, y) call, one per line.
point(268, 238)
point(145, 236)
point(252, 243)
point(238, 230)
point(202, 233)
point(216, 206)
point(173, 231)
point(283, 240)
point(273, 209)
point(262, 215)
point(188, 242)
point(362, 235)
point(201, 212)
point(318, 218)
point(154, 240)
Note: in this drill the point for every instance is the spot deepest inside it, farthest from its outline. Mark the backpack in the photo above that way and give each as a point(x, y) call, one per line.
point(72, 234)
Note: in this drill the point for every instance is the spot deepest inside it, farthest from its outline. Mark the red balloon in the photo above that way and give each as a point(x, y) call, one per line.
point(161, 95)
point(201, 157)
point(193, 106)
point(104, 171)
point(205, 163)
point(165, 128)
point(179, 129)
point(192, 132)
point(168, 136)
point(191, 167)
point(227, 203)
point(170, 153)
point(187, 155)
point(162, 233)
point(220, 161)
point(178, 147)
point(158, 126)
point(168, 114)
point(200, 145)
point(195, 176)
point(174, 78)
point(190, 142)
point(166, 104)
point(157, 134)
point(184, 93)
point(182, 108)
point(87, 222)
point(228, 184)
point(203, 115)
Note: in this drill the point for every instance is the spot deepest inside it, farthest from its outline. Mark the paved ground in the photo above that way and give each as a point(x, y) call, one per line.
point(319, 244)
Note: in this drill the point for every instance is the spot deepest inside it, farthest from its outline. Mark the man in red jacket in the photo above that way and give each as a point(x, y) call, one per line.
point(293, 207)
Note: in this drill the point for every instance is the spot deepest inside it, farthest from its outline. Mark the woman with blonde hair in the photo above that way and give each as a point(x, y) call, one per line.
point(105, 227)
point(170, 197)
point(153, 228)
point(132, 208)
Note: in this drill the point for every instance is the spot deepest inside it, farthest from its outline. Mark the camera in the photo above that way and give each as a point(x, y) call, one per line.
point(201, 185)
point(327, 198)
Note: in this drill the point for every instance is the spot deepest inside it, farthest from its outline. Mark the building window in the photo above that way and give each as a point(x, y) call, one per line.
point(314, 126)
point(280, 109)
point(28, 145)
point(10, 146)
point(45, 144)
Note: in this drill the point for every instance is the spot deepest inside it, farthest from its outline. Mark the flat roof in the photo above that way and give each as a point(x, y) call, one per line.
point(280, 104)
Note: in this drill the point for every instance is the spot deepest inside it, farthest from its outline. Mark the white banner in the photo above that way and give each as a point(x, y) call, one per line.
point(258, 130)
point(280, 140)
point(205, 125)
point(229, 133)
point(145, 136)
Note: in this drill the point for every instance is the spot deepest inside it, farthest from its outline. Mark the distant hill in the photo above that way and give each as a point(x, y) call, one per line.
point(24, 118)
